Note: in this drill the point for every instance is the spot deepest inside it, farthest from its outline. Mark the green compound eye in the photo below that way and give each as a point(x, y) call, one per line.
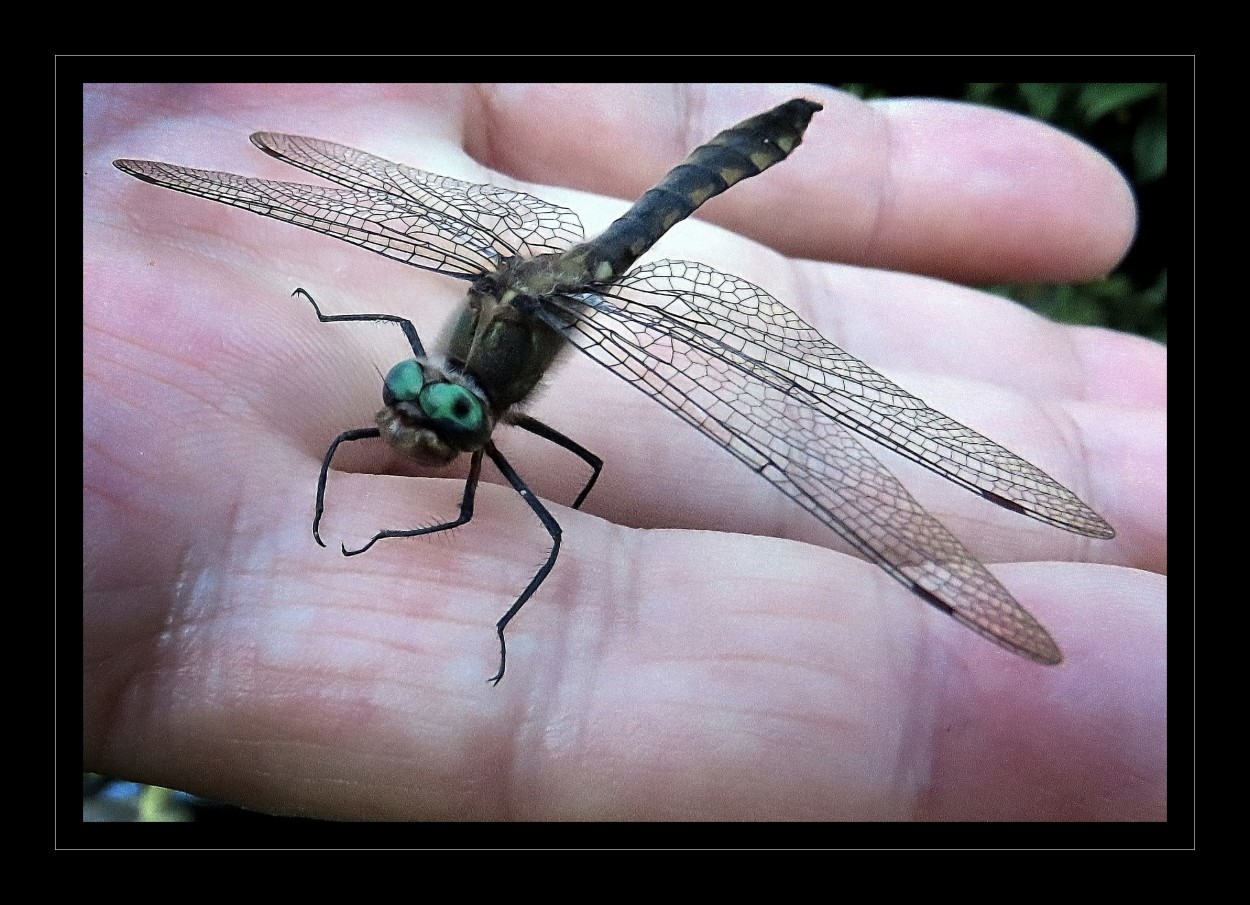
point(454, 406)
point(404, 381)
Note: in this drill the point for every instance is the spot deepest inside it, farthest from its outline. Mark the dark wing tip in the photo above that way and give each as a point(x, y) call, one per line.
point(135, 168)
point(265, 141)
point(1033, 643)
point(933, 599)
point(1011, 505)
point(1080, 519)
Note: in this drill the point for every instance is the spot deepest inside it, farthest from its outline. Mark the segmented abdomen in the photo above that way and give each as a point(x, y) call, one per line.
point(738, 153)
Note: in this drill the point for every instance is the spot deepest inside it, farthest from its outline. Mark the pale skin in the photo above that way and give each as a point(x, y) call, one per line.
point(740, 664)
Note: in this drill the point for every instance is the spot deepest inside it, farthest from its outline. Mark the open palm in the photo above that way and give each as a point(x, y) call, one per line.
point(657, 671)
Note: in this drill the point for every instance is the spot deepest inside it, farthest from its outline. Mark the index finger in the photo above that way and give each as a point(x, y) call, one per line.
point(946, 189)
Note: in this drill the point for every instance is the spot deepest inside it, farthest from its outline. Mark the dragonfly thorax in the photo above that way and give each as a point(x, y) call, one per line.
point(498, 340)
point(432, 414)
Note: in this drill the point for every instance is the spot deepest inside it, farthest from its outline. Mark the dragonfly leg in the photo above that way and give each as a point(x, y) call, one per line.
point(466, 512)
point(360, 433)
point(553, 529)
point(534, 426)
point(418, 350)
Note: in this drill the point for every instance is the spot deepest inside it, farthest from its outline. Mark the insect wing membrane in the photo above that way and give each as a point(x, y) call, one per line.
point(798, 447)
point(515, 223)
point(742, 324)
point(381, 222)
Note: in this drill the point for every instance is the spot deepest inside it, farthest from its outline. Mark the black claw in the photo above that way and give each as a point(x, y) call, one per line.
point(347, 552)
point(503, 657)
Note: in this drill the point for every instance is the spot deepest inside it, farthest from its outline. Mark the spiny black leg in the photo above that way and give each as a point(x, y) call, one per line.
point(466, 511)
point(553, 528)
point(534, 426)
point(360, 433)
point(410, 331)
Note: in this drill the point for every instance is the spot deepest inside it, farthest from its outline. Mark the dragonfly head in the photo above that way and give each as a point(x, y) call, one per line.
point(430, 415)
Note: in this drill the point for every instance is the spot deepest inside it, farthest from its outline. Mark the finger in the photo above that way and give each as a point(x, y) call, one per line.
point(951, 190)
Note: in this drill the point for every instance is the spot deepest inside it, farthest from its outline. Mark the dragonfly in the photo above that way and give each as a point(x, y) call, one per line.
point(715, 350)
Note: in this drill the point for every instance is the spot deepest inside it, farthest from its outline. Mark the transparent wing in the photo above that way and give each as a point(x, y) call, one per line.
point(767, 342)
point(519, 224)
point(746, 371)
point(427, 221)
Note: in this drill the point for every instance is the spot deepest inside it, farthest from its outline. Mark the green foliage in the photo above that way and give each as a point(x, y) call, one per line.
point(1126, 121)
point(1112, 302)
point(1150, 147)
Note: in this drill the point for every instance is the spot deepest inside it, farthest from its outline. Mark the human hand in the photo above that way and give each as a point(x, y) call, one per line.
point(726, 669)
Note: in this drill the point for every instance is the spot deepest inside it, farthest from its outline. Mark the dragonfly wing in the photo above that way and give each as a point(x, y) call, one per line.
point(519, 224)
point(744, 325)
point(812, 459)
point(379, 221)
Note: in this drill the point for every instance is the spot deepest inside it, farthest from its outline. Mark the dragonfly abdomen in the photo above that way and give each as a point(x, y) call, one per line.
point(738, 153)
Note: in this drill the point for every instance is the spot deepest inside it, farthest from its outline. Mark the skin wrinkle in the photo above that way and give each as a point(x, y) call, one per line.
point(1061, 422)
point(690, 109)
point(1078, 449)
point(1084, 451)
point(917, 743)
point(141, 690)
point(884, 179)
point(133, 366)
point(485, 114)
point(104, 712)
